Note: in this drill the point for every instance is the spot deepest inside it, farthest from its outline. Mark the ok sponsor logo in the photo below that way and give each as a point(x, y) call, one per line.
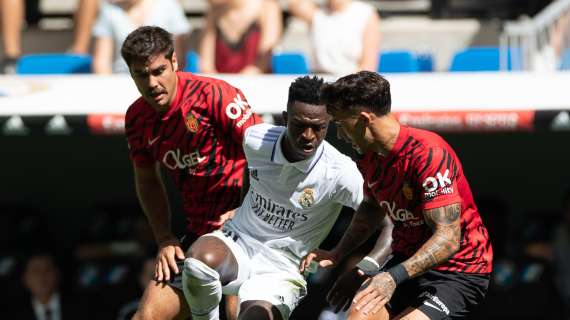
point(174, 159)
point(236, 108)
point(397, 214)
point(440, 184)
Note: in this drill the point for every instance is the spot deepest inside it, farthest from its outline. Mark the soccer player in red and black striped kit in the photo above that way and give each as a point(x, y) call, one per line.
point(441, 253)
point(192, 127)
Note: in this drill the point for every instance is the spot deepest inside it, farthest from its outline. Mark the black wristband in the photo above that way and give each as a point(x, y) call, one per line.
point(398, 273)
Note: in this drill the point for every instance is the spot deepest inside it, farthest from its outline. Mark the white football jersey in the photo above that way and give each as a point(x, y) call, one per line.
point(292, 206)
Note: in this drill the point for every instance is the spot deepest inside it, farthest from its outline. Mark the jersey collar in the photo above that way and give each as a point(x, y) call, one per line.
point(402, 136)
point(305, 165)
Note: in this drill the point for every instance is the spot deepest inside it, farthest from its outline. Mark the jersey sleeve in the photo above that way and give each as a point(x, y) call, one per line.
point(350, 187)
point(138, 153)
point(236, 115)
point(437, 173)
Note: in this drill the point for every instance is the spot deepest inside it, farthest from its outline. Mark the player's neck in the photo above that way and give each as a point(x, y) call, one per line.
point(384, 131)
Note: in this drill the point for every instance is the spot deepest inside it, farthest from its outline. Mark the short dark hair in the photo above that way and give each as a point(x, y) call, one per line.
point(145, 42)
point(364, 89)
point(305, 89)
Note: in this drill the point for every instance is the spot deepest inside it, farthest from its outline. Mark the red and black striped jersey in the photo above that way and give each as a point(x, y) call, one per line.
point(422, 172)
point(198, 141)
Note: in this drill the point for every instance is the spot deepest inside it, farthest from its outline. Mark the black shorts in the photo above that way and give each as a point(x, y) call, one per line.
point(186, 241)
point(439, 294)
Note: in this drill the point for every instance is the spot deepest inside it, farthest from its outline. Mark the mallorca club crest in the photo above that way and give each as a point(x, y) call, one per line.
point(192, 123)
point(407, 191)
point(307, 198)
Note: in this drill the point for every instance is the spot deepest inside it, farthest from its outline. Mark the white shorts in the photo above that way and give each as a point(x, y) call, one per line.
point(263, 273)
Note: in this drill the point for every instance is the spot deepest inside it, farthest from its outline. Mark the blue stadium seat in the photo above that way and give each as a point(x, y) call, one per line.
point(54, 63)
point(565, 60)
point(398, 61)
point(192, 62)
point(425, 62)
point(476, 59)
point(483, 59)
point(289, 63)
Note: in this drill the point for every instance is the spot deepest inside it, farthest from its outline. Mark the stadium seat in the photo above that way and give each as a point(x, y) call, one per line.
point(398, 61)
point(425, 62)
point(565, 60)
point(483, 59)
point(192, 62)
point(54, 63)
point(289, 63)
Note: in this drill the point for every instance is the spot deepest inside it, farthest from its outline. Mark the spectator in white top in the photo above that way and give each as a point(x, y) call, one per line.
point(345, 35)
point(117, 18)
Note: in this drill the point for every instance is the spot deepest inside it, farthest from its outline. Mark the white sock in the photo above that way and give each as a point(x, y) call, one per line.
point(202, 289)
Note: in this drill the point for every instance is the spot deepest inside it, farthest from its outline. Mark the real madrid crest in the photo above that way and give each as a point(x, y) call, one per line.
point(192, 123)
point(307, 198)
point(407, 191)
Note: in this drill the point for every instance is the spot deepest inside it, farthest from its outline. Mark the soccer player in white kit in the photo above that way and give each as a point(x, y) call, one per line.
point(298, 185)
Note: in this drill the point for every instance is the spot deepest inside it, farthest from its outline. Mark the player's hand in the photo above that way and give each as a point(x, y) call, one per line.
point(322, 257)
point(345, 287)
point(376, 293)
point(223, 218)
point(168, 251)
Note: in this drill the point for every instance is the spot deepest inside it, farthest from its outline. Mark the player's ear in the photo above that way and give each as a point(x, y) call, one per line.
point(174, 62)
point(284, 114)
point(365, 117)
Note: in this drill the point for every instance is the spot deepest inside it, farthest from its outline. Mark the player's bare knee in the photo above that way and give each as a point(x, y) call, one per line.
point(209, 250)
point(259, 310)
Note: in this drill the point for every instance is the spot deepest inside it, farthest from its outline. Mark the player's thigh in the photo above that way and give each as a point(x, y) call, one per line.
point(161, 301)
point(412, 314)
point(259, 309)
point(354, 314)
point(281, 290)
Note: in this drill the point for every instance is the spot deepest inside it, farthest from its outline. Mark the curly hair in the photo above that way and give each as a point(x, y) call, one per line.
point(356, 91)
point(146, 42)
point(305, 89)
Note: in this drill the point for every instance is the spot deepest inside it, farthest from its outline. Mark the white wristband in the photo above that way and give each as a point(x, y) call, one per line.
point(368, 266)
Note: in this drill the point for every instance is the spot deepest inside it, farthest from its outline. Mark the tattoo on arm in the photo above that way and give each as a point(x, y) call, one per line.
point(445, 224)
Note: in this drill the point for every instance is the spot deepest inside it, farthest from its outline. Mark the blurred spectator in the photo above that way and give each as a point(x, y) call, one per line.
point(84, 18)
point(117, 18)
point(46, 302)
point(12, 19)
point(345, 35)
point(144, 277)
point(239, 36)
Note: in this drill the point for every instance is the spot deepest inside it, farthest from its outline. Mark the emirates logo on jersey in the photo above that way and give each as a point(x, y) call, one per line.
point(192, 123)
point(307, 198)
